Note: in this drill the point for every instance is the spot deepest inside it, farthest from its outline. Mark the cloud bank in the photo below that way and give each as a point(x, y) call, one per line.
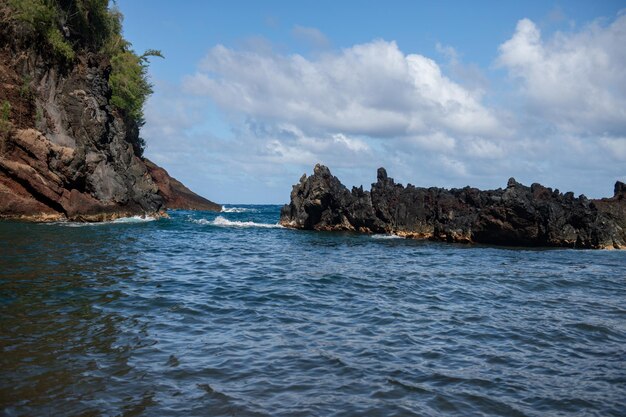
point(370, 89)
point(576, 81)
point(560, 117)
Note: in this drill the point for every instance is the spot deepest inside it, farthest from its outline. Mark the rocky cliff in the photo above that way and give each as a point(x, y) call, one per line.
point(65, 151)
point(175, 194)
point(517, 215)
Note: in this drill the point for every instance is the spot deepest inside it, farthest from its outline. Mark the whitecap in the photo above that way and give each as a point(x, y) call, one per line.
point(224, 222)
point(134, 219)
point(238, 210)
point(386, 237)
point(200, 221)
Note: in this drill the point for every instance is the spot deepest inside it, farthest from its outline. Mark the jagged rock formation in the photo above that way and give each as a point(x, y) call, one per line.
point(517, 215)
point(65, 152)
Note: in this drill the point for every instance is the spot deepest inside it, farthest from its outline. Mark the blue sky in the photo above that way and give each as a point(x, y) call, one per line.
point(253, 94)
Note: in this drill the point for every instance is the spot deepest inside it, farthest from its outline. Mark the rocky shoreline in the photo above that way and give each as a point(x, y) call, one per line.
point(517, 215)
point(66, 152)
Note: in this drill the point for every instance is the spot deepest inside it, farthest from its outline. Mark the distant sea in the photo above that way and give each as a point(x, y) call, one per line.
point(228, 314)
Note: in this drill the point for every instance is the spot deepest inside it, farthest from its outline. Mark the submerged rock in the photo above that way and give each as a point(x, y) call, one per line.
point(517, 215)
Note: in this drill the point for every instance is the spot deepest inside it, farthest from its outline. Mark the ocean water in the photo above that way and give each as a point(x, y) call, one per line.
point(227, 314)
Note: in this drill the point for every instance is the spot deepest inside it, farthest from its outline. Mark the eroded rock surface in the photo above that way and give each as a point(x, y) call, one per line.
point(517, 215)
point(65, 152)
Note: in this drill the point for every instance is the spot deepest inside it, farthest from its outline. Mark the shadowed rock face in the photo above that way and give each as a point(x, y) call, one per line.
point(517, 215)
point(175, 195)
point(65, 152)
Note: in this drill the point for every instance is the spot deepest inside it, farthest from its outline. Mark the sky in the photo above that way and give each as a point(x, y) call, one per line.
point(253, 94)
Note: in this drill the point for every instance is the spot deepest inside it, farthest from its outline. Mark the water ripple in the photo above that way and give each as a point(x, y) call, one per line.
point(227, 314)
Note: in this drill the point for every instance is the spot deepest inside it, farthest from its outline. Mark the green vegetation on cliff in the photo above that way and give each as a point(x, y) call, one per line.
point(43, 20)
point(5, 123)
point(129, 82)
point(65, 28)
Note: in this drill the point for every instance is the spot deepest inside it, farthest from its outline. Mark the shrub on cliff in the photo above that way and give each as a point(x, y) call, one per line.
point(42, 19)
point(129, 82)
point(130, 89)
point(67, 27)
point(5, 124)
point(129, 72)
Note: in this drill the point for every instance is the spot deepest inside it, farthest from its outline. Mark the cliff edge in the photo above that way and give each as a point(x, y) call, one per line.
point(516, 216)
point(67, 150)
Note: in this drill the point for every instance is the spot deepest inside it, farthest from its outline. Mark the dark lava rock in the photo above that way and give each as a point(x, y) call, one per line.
point(517, 215)
point(65, 152)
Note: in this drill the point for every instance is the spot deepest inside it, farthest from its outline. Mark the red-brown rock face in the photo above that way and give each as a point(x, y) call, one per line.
point(65, 152)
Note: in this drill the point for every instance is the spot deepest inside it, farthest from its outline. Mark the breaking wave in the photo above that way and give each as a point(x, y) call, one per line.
point(224, 222)
point(386, 237)
point(134, 219)
point(238, 210)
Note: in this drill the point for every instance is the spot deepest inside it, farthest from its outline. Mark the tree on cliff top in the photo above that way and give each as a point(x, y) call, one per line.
point(64, 28)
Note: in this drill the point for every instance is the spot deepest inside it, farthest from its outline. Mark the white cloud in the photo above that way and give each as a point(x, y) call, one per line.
point(575, 81)
point(560, 121)
point(470, 75)
point(616, 147)
point(312, 36)
point(285, 144)
point(482, 148)
point(436, 142)
point(369, 89)
point(351, 144)
point(457, 167)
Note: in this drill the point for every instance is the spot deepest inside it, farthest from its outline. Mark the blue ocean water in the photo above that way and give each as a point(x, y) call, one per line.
point(227, 314)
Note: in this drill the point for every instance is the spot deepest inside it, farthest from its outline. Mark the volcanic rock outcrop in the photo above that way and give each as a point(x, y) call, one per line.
point(517, 215)
point(65, 151)
point(175, 194)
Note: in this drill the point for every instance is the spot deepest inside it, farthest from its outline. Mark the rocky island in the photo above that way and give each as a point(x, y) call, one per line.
point(71, 98)
point(517, 215)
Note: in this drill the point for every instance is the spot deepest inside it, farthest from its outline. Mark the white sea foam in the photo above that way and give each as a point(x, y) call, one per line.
point(238, 210)
point(386, 237)
point(134, 219)
point(200, 221)
point(224, 222)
